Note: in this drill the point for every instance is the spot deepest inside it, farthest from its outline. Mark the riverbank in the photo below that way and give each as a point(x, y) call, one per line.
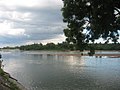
point(96, 55)
point(9, 83)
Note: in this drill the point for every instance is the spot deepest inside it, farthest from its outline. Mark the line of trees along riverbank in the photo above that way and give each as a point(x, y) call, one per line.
point(65, 46)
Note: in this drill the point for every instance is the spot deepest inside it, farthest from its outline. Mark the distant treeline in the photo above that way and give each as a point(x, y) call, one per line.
point(65, 46)
point(106, 46)
point(48, 46)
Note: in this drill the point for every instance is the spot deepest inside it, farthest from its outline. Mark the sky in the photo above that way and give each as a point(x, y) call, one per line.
point(30, 21)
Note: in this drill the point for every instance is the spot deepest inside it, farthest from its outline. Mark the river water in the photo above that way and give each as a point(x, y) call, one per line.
point(40, 70)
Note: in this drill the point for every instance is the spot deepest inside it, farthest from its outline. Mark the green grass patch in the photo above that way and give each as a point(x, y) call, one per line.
point(2, 72)
point(13, 86)
point(10, 85)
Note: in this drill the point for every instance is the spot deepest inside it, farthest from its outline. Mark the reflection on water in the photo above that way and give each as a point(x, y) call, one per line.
point(44, 71)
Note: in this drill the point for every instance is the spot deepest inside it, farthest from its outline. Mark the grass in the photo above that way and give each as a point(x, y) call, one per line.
point(2, 72)
point(13, 86)
point(10, 84)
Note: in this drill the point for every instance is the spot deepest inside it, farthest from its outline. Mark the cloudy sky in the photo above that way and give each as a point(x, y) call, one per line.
point(29, 21)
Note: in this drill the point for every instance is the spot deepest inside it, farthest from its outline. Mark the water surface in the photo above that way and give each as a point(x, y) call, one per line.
point(40, 70)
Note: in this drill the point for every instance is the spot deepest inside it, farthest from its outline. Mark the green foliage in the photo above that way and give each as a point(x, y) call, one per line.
point(98, 18)
point(7, 47)
point(13, 86)
point(67, 46)
point(10, 84)
point(92, 50)
point(32, 47)
point(1, 72)
point(48, 46)
point(107, 46)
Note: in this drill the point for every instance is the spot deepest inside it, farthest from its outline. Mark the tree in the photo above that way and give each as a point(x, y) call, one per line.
point(88, 20)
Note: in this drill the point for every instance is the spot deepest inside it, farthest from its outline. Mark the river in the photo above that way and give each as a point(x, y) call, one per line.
point(43, 70)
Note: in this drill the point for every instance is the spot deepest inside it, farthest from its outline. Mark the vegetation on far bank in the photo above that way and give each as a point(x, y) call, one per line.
point(65, 46)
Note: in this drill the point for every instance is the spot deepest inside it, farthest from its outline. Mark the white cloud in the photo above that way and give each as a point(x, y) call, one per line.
point(7, 29)
point(30, 21)
point(14, 15)
point(58, 39)
point(31, 3)
point(28, 3)
point(20, 16)
point(16, 32)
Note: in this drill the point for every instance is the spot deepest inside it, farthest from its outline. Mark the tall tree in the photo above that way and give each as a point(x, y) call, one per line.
point(88, 20)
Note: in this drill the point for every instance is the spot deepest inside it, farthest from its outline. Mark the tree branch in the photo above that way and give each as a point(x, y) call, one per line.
point(117, 11)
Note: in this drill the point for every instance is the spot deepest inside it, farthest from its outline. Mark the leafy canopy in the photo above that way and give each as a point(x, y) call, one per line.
point(88, 20)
